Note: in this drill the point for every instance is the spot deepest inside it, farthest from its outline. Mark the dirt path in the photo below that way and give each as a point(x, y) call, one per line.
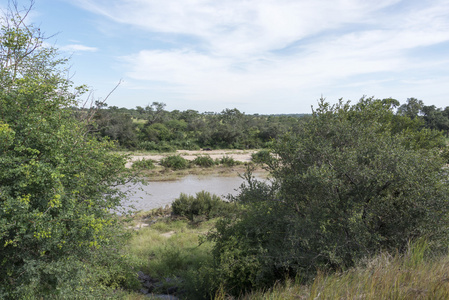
point(240, 155)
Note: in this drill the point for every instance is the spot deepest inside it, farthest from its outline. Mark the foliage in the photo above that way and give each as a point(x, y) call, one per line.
point(116, 125)
point(354, 180)
point(57, 184)
point(175, 162)
point(415, 274)
point(204, 204)
point(228, 161)
point(204, 161)
point(261, 157)
point(144, 164)
point(154, 128)
point(168, 250)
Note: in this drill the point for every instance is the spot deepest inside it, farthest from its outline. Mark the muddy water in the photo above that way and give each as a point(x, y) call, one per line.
point(160, 194)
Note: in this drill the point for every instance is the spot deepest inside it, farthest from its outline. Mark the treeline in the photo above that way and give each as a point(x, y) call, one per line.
point(155, 128)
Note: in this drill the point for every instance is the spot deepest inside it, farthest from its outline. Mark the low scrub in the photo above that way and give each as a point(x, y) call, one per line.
point(144, 164)
point(203, 204)
point(204, 161)
point(228, 161)
point(175, 162)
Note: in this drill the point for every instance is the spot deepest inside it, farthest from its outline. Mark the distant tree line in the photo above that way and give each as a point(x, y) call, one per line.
point(155, 128)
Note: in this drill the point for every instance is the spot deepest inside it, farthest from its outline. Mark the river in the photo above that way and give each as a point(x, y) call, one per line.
point(161, 193)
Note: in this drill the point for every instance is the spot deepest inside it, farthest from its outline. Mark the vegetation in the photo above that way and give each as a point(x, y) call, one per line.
point(204, 205)
point(228, 161)
point(57, 184)
point(175, 162)
point(353, 181)
point(357, 204)
point(204, 161)
point(143, 164)
point(155, 129)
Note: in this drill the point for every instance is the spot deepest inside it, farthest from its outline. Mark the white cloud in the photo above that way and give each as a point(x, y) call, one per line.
point(77, 48)
point(266, 47)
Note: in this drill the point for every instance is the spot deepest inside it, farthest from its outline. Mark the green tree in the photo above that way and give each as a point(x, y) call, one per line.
point(348, 184)
point(412, 109)
point(57, 184)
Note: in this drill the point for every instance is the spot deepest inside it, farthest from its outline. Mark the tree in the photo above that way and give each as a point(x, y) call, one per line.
point(57, 184)
point(347, 185)
point(412, 109)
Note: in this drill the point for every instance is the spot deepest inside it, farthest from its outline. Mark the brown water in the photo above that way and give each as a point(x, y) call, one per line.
point(160, 194)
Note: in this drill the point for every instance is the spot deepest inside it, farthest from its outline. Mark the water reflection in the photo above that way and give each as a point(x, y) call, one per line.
point(159, 194)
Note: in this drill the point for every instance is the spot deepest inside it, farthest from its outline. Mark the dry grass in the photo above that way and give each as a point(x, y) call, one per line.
point(409, 276)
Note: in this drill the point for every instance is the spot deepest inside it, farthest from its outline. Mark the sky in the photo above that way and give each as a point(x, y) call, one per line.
point(259, 56)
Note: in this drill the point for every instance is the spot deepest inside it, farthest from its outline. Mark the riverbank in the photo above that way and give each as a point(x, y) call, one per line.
point(238, 155)
point(242, 158)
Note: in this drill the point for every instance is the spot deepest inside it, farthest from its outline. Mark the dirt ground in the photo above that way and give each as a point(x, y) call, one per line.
point(240, 155)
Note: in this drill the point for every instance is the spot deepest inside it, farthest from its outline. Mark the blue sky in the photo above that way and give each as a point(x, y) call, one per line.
point(259, 56)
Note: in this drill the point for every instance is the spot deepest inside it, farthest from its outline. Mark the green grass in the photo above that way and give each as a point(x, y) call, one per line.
point(170, 248)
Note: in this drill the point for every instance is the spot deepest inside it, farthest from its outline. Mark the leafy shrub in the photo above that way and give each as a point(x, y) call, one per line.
point(228, 161)
point(175, 162)
point(204, 204)
point(143, 164)
point(353, 181)
point(58, 183)
point(261, 157)
point(156, 146)
point(204, 161)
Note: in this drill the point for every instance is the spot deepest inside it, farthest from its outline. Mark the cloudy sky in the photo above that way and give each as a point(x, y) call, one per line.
point(260, 56)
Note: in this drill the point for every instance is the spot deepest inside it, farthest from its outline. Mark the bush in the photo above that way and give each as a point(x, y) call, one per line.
point(204, 204)
point(58, 184)
point(204, 161)
point(147, 145)
point(261, 157)
point(228, 161)
point(143, 164)
point(175, 162)
point(353, 181)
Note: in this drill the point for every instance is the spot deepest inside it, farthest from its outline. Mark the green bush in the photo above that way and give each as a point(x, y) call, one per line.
point(204, 161)
point(204, 204)
point(175, 162)
point(147, 145)
point(143, 164)
point(353, 181)
point(58, 183)
point(261, 157)
point(228, 161)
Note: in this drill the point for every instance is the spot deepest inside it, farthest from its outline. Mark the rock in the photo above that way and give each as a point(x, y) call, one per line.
point(172, 290)
point(148, 285)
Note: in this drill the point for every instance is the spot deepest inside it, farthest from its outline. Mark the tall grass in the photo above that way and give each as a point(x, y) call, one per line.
point(171, 249)
point(414, 275)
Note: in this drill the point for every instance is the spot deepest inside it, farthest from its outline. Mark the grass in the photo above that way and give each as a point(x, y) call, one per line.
point(414, 275)
point(169, 248)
